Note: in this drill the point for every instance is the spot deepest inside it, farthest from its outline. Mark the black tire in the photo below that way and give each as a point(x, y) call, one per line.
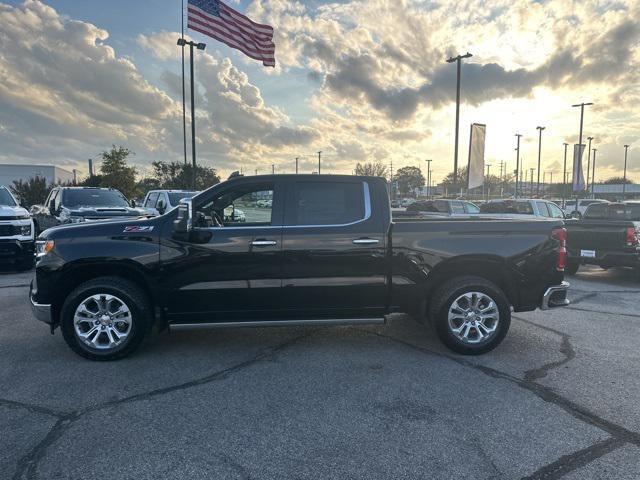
point(443, 299)
point(130, 294)
point(572, 267)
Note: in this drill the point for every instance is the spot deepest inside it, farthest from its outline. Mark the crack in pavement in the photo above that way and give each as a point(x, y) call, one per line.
point(15, 286)
point(4, 402)
point(575, 460)
point(566, 349)
point(28, 464)
point(619, 434)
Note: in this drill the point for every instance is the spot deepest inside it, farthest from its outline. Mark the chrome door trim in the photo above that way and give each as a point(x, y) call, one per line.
point(280, 323)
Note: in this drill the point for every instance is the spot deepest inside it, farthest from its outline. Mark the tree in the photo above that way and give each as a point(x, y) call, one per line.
point(177, 175)
point(462, 178)
point(32, 192)
point(376, 169)
point(617, 181)
point(408, 179)
point(115, 171)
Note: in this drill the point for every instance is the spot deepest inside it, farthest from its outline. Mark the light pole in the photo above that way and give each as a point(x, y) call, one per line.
point(564, 175)
point(458, 60)
point(297, 165)
point(540, 129)
point(624, 181)
point(319, 154)
point(588, 163)
point(517, 161)
point(593, 174)
point(273, 169)
point(581, 105)
point(200, 46)
point(428, 177)
point(531, 180)
point(487, 181)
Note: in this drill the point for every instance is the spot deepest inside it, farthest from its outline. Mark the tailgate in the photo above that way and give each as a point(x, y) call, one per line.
point(596, 236)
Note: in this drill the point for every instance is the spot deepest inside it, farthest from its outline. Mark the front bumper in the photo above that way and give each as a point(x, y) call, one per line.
point(555, 296)
point(42, 311)
point(16, 249)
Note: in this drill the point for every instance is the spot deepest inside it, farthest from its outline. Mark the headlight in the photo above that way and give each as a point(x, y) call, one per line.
point(43, 247)
point(76, 219)
point(25, 230)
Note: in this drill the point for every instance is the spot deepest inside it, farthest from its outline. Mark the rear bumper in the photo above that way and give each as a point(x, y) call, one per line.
point(609, 259)
point(42, 311)
point(555, 296)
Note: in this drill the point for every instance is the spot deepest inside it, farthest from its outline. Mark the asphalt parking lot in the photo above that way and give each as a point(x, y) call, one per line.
point(559, 398)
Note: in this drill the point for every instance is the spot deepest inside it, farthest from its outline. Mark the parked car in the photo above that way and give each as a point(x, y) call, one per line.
point(522, 208)
point(82, 204)
point(446, 207)
point(607, 235)
point(158, 202)
point(332, 256)
point(571, 210)
point(16, 232)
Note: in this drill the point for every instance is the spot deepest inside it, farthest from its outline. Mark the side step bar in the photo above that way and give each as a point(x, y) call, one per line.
point(280, 323)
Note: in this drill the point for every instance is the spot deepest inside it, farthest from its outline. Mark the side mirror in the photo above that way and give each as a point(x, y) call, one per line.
point(133, 203)
point(52, 206)
point(183, 224)
point(161, 207)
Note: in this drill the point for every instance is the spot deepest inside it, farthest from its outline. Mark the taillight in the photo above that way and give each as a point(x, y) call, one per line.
point(632, 237)
point(560, 234)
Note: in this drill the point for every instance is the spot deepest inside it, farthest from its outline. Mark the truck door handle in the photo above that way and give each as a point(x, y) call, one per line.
point(263, 243)
point(364, 241)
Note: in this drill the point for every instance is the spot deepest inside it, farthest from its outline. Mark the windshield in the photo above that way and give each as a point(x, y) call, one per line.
point(6, 198)
point(93, 198)
point(175, 197)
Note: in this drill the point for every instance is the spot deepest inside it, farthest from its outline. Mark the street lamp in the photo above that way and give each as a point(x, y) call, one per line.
point(458, 60)
point(428, 178)
point(200, 46)
point(588, 163)
point(593, 174)
point(624, 181)
point(517, 162)
point(540, 129)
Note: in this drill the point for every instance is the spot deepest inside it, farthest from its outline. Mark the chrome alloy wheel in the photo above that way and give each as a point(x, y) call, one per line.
point(102, 321)
point(473, 317)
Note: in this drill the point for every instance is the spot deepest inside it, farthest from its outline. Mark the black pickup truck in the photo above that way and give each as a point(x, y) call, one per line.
point(312, 250)
point(82, 204)
point(607, 235)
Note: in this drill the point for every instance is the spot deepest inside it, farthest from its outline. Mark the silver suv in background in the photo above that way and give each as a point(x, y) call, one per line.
point(522, 207)
point(571, 210)
point(16, 232)
point(158, 202)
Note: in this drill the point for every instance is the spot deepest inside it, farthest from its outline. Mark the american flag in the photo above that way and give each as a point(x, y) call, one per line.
point(216, 20)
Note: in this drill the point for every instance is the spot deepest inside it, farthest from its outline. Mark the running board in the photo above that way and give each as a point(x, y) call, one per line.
point(280, 323)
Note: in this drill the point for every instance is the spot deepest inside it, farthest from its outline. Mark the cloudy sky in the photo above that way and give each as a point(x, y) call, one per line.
point(359, 80)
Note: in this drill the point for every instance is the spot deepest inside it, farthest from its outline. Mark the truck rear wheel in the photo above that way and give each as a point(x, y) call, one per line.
point(572, 267)
point(471, 315)
point(105, 318)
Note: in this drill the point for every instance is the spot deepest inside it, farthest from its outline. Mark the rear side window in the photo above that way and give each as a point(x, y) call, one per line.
point(457, 207)
point(554, 211)
point(323, 203)
point(596, 211)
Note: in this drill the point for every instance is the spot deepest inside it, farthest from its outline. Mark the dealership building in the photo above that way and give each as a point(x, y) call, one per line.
point(51, 173)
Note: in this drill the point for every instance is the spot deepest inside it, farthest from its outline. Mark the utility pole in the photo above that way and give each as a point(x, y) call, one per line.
point(184, 116)
point(297, 165)
point(319, 154)
point(458, 60)
point(593, 174)
point(90, 168)
point(488, 165)
point(428, 177)
point(200, 46)
point(624, 181)
point(581, 105)
point(588, 163)
point(517, 162)
point(256, 171)
point(273, 169)
point(540, 129)
point(564, 175)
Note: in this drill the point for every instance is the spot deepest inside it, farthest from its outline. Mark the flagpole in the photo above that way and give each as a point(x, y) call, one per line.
point(184, 116)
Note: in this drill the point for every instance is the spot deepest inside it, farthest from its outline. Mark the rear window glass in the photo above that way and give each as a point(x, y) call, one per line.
point(542, 209)
point(323, 203)
point(625, 212)
point(508, 206)
point(596, 211)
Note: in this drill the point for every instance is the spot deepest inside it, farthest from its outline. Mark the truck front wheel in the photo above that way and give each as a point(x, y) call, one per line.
point(105, 318)
point(471, 315)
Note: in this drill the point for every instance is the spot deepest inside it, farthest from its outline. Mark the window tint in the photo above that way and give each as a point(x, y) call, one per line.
point(6, 198)
point(94, 198)
point(323, 203)
point(596, 211)
point(471, 208)
point(555, 211)
point(625, 212)
point(542, 209)
point(508, 207)
point(457, 207)
point(247, 204)
point(151, 200)
point(441, 206)
point(175, 197)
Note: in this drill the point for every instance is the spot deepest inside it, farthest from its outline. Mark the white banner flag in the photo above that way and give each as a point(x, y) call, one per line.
point(578, 174)
point(476, 156)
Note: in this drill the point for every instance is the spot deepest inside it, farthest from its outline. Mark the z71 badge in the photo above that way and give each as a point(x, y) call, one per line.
point(138, 229)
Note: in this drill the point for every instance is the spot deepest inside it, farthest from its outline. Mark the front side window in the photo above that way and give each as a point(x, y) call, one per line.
point(323, 203)
point(542, 209)
point(151, 200)
point(554, 211)
point(175, 197)
point(471, 207)
point(457, 207)
point(245, 206)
